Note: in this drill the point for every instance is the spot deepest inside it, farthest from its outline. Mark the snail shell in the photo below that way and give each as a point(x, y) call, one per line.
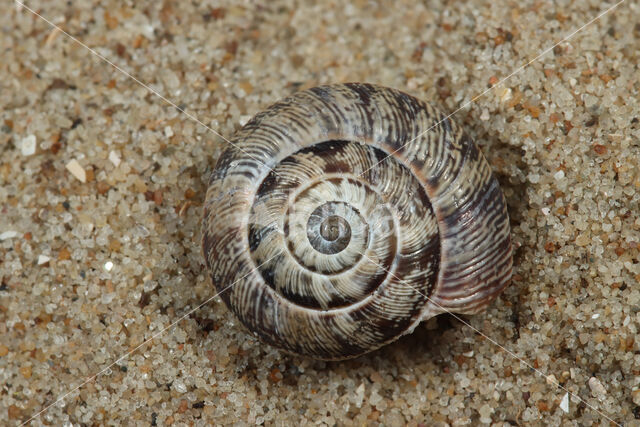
point(344, 215)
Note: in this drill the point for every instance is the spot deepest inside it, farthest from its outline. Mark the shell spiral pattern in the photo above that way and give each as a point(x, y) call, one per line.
point(344, 215)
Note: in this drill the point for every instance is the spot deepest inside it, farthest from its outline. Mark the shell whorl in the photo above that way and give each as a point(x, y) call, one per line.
point(344, 215)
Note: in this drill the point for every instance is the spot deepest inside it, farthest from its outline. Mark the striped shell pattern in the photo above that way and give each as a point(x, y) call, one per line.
point(344, 215)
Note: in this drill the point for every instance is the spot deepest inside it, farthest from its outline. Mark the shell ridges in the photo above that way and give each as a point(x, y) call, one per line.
point(368, 214)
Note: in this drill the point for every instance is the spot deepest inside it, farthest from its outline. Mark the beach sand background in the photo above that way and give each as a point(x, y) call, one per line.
point(102, 185)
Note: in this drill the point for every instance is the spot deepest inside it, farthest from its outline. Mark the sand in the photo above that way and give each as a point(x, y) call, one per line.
point(102, 184)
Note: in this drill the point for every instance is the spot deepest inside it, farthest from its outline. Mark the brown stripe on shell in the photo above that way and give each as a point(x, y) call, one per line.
point(444, 244)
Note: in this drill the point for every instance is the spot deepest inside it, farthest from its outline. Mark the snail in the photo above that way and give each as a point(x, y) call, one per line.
point(344, 215)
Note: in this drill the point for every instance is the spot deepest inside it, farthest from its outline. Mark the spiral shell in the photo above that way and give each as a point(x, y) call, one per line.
point(344, 215)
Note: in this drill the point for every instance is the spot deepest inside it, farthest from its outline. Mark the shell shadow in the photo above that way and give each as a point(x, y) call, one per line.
point(425, 342)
